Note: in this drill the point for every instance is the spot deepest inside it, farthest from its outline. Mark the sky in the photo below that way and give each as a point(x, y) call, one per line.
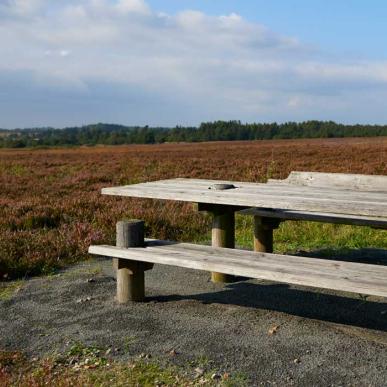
point(182, 62)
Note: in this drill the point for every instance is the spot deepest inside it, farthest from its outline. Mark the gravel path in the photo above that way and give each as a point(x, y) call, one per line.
point(322, 338)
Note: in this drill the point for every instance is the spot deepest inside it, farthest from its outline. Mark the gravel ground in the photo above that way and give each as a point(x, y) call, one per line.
point(323, 338)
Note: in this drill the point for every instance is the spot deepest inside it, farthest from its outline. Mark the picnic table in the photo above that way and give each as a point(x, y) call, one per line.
point(335, 198)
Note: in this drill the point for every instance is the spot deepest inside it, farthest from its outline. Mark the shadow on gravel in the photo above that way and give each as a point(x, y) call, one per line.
point(361, 312)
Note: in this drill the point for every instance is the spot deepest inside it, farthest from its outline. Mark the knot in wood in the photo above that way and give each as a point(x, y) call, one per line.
point(221, 187)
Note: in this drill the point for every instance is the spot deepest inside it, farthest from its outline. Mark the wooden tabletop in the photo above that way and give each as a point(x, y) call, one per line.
point(325, 200)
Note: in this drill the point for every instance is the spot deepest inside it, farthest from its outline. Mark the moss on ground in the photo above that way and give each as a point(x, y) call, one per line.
point(8, 289)
point(91, 366)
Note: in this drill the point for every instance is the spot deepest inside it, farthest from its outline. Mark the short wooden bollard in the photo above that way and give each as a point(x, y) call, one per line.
point(263, 233)
point(130, 274)
point(223, 235)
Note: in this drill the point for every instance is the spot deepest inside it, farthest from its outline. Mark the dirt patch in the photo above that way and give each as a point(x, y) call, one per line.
point(272, 333)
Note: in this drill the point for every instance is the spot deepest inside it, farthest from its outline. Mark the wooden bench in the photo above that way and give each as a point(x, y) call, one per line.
point(134, 255)
point(335, 198)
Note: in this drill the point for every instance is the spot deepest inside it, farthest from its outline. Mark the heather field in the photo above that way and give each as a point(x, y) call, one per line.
point(51, 208)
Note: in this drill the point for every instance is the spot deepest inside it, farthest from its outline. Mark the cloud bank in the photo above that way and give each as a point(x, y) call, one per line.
point(82, 61)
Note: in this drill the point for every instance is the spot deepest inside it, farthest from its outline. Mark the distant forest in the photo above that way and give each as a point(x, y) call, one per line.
point(209, 131)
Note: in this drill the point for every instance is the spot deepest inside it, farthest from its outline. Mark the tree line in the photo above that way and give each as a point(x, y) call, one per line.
point(110, 134)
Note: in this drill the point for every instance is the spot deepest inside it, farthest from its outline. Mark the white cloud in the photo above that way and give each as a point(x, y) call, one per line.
point(137, 6)
point(25, 7)
point(199, 66)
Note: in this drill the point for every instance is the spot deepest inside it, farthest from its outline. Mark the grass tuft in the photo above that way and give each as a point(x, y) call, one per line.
point(8, 289)
point(90, 366)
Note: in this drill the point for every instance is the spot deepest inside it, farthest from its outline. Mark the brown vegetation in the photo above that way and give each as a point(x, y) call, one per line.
point(51, 208)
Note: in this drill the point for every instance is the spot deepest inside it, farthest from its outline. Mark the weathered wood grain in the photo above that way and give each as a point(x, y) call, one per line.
point(345, 181)
point(222, 235)
point(320, 273)
point(313, 199)
point(200, 185)
point(130, 277)
point(263, 233)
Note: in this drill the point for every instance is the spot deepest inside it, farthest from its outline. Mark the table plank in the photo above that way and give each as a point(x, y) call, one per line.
point(337, 180)
point(198, 185)
point(260, 195)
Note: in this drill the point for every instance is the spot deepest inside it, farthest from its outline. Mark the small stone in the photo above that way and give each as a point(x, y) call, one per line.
point(172, 352)
point(273, 330)
point(35, 359)
point(108, 351)
point(199, 372)
point(297, 361)
point(145, 356)
point(90, 280)
point(216, 376)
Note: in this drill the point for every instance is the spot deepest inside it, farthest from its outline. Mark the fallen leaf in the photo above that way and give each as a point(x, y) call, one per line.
point(273, 330)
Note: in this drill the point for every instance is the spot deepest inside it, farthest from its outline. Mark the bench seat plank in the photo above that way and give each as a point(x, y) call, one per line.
point(320, 273)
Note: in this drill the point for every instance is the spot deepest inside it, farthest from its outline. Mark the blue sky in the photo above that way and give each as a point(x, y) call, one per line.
point(168, 62)
point(355, 26)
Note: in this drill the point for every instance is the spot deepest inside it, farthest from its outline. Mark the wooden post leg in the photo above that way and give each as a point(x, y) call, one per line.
point(263, 233)
point(223, 235)
point(130, 285)
point(130, 274)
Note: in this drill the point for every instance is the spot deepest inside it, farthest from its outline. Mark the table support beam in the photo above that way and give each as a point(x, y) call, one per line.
point(263, 233)
point(223, 235)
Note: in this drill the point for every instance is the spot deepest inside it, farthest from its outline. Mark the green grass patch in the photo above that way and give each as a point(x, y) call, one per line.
point(17, 170)
point(91, 366)
point(292, 236)
point(8, 289)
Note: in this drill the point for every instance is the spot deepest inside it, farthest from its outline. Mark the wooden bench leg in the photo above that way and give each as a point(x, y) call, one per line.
point(263, 233)
point(223, 235)
point(130, 286)
point(130, 281)
point(130, 274)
